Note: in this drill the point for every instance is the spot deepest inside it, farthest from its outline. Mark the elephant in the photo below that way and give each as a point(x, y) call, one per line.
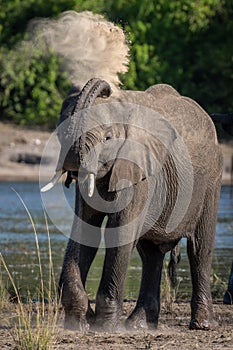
point(226, 120)
point(149, 162)
point(228, 297)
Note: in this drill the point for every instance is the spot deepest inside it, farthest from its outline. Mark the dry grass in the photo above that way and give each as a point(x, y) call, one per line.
point(3, 292)
point(168, 293)
point(35, 328)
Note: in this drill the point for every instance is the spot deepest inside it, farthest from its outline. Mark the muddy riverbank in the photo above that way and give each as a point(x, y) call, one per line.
point(21, 150)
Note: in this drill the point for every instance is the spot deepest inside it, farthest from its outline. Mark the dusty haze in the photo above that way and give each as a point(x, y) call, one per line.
point(89, 45)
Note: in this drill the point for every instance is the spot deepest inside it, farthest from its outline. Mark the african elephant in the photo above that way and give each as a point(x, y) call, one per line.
point(225, 119)
point(151, 163)
point(228, 297)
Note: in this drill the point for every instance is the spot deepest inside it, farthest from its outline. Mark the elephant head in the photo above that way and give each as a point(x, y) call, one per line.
point(70, 161)
point(110, 138)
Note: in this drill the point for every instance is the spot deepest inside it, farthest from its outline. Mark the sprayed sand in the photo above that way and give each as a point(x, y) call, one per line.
point(89, 45)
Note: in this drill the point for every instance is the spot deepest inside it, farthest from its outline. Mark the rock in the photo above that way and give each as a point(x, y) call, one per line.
point(21, 140)
point(29, 158)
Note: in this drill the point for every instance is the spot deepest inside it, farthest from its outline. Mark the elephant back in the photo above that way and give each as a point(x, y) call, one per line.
point(161, 90)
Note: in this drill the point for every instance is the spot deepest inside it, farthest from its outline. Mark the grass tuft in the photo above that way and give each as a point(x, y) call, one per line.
point(168, 293)
point(218, 286)
point(3, 291)
point(36, 324)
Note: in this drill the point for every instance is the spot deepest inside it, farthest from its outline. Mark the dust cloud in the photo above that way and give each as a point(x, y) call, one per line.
point(89, 45)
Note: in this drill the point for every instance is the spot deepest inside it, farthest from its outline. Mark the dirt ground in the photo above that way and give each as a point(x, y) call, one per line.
point(16, 142)
point(172, 333)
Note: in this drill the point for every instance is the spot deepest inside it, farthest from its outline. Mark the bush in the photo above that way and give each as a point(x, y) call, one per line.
point(32, 87)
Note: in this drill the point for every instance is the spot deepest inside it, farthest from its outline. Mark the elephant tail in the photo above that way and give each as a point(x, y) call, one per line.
point(172, 267)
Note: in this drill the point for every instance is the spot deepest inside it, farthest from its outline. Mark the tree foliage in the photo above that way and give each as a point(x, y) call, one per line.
point(186, 43)
point(32, 86)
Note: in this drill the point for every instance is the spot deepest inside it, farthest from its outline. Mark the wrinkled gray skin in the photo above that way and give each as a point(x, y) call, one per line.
point(198, 224)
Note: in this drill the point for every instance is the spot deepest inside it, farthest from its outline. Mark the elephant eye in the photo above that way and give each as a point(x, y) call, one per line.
point(108, 137)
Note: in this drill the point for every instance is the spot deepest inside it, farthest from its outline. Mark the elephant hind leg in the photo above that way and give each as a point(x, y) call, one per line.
point(200, 249)
point(146, 312)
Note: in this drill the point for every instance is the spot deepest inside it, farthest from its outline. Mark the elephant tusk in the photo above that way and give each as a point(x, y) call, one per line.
point(91, 184)
point(53, 181)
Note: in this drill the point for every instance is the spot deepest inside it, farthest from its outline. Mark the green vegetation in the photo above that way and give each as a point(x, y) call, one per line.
point(186, 43)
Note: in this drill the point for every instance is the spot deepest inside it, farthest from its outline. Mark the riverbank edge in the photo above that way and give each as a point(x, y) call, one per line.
point(17, 142)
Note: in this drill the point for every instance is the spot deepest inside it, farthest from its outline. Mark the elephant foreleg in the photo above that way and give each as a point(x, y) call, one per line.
point(77, 262)
point(110, 294)
point(73, 295)
point(146, 312)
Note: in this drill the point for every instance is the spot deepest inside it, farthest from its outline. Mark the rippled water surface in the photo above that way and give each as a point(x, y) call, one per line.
point(17, 242)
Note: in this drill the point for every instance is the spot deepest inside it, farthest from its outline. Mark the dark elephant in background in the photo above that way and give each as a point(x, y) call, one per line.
point(150, 162)
point(228, 297)
point(226, 120)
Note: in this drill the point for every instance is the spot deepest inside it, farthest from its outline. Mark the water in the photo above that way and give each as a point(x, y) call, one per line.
point(17, 242)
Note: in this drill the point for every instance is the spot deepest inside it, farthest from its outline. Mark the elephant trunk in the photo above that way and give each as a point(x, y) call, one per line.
point(94, 88)
point(77, 126)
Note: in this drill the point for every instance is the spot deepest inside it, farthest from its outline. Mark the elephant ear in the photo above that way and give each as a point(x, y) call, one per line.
point(143, 153)
point(125, 173)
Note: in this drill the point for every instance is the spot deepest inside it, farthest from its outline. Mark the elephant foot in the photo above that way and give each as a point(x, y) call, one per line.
point(202, 315)
point(74, 323)
point(108, 326)
point(204, 325)
point(138, 321)
point(228, 298)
